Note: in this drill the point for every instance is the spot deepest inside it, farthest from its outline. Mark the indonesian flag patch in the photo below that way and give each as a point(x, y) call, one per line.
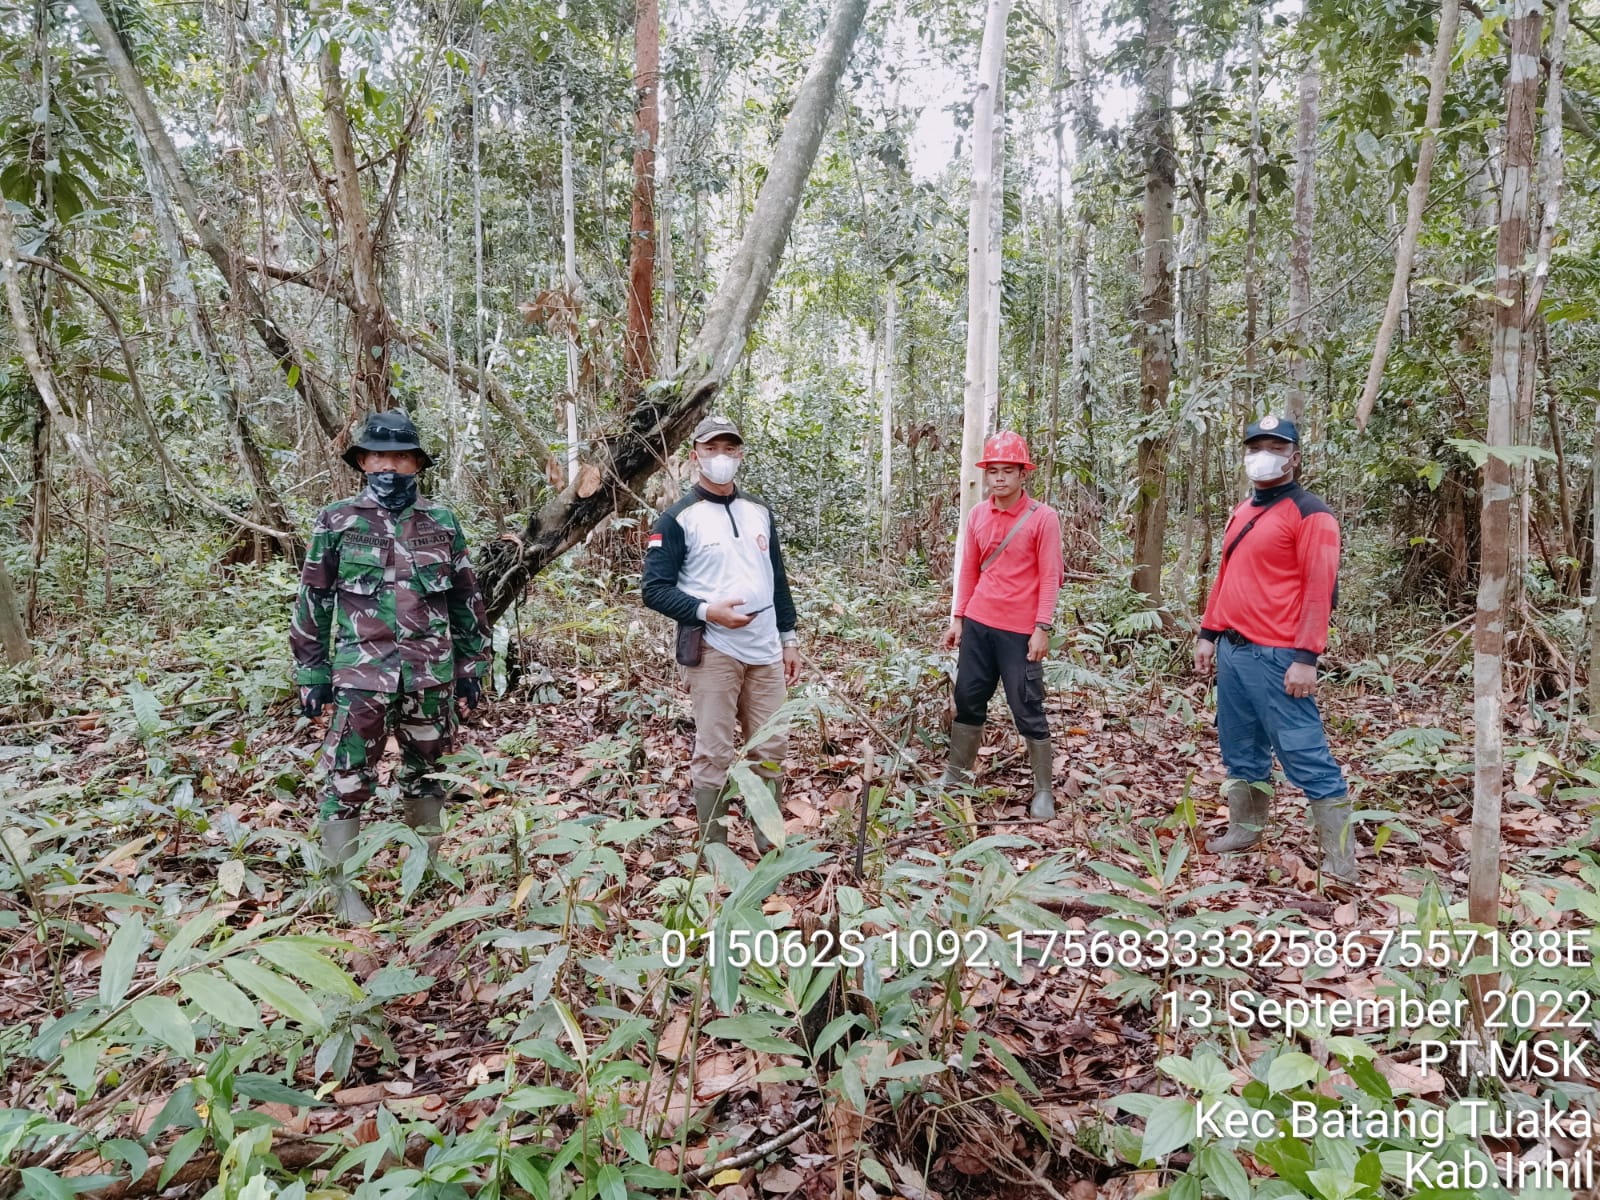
point(654, 543)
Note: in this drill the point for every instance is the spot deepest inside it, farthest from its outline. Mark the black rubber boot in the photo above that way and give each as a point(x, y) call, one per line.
point(1248, 806)
point(964, 743)
point(1042, 758)
point(338, 844)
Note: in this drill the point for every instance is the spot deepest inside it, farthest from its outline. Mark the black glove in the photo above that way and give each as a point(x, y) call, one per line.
point(315, 698)
point(469, 689)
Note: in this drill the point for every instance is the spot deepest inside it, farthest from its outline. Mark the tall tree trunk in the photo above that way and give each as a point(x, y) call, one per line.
point(1522, 86)
point(239, 284)
point(39, 544)
point(986, 116)
point(637, 358)
point(886, 424)
point(1083, 126)
point(638, 444)
point(997, 212)
point(569, 269)
point(1153, 334)
point(666, 349)
point(369, 315)
point(1058, 257)
point(1305, 211)
point(1252, 279)
point(1416, 198)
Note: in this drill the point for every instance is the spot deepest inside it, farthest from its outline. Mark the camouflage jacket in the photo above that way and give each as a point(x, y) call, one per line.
point(396, 593)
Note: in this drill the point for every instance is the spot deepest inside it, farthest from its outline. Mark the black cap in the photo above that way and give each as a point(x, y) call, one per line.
point(712, 427)
point(1273, 425)
point(390, 430)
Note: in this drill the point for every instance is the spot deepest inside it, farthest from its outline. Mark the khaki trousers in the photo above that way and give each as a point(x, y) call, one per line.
point(730, 701)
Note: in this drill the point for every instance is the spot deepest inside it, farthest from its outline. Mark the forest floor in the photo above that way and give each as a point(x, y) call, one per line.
point(518, 1016)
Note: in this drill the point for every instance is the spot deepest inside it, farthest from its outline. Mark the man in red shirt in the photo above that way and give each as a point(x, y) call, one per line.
point(1269, 610)
point(1002, 620)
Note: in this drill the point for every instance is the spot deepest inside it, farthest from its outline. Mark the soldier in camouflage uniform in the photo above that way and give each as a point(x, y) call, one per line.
point(388, 584)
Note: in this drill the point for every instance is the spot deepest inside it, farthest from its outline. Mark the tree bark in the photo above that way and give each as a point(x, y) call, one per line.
point(637, 445)
point(1153, 334)
point(1305, 211)
point(13, 634)
point(1416, 198)
point(638, 359)
point(981, 310)
point(1252, 280)
point(569, 269)
point(369, 315)
point(1483, 880)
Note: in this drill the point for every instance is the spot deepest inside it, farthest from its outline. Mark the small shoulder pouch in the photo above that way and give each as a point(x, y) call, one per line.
point(691, 645)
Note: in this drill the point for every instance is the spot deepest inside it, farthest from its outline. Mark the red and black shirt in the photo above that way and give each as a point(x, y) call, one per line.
point(1275, 586)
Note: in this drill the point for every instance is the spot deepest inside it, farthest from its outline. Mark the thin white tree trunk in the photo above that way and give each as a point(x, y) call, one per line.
point(997, 212)
point(1416, 198)
point(1483, 878)
point(569, 268)
point(981, 308)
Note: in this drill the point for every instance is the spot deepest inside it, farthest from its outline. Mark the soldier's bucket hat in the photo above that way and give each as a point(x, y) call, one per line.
point(391, 430)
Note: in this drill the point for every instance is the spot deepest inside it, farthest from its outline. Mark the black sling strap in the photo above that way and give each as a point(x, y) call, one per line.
point(1251, 524)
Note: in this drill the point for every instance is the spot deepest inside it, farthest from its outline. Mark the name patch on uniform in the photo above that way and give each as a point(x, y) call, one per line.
point(432, 539)
point(365, 539)
point(654, 542)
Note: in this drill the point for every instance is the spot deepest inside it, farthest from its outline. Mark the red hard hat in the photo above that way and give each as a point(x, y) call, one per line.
point(1006, 447)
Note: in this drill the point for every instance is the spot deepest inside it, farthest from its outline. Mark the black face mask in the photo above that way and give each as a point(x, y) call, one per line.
point(392, 489)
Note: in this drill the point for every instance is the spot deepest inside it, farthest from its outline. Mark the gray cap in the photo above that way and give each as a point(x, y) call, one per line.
point(711, 427)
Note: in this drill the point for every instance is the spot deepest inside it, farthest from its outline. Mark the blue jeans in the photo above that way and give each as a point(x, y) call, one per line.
point(1256, 719)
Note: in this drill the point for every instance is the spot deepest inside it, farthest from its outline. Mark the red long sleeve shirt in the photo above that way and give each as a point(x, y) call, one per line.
point(1276, 588)
point(1019, 589)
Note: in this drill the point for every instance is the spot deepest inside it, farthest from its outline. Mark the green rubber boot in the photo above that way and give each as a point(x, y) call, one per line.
point(425, 814)
point(762, 844)
point(711, 810)
point(1336, 839)
point(1042, 758)
point(964, 743)
point(1248, 805)
point(338, 844)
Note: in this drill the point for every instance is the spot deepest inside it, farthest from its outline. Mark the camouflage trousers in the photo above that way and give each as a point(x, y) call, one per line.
point(423, 724)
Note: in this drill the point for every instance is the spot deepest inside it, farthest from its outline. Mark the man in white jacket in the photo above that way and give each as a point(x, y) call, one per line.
point(714, 566)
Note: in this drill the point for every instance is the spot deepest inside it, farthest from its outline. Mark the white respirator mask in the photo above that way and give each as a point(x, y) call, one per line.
point(719, 468)
point(1262, 465)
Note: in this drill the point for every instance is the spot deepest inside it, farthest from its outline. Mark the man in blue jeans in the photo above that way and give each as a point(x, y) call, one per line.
point(1269, 612)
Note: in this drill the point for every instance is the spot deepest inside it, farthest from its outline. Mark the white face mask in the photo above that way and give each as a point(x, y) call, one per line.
point(1262, 465)
point(719, 468)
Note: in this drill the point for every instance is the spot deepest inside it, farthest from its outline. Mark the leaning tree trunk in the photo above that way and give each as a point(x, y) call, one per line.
point(624, 456)
point(1153, 333)
point(980, 310)
point(1416, 198)
point(1483, 879)
point(1305, 211)
point(638, 362)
